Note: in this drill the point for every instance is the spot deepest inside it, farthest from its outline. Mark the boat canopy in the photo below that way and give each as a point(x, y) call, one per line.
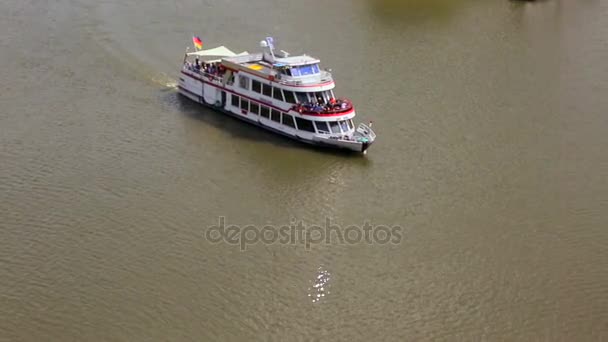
point(215, 54)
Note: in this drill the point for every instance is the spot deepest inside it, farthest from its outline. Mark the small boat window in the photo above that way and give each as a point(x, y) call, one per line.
point(267, 90)
point(321, 96)
point(277, 94)
point(256, 86)
point(244, 104)
point(302, 97)
point(288, 120)
point(254, 108)
point(276, 116)
point(265, 112)
point(235, 100)
point(344, 126)
point(305, 125)
point(350, 124)
point(289, 96)
point(322, 126)
point(335, 127)
point(244, 82)
point(295, 72)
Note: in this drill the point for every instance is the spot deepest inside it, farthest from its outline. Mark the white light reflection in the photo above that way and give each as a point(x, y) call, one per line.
point(320, 286)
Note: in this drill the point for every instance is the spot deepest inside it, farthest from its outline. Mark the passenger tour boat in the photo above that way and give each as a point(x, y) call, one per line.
point(289, 95)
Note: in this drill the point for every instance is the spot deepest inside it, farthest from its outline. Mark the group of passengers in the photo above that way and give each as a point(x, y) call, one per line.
point(320, 106)
point(213, 69)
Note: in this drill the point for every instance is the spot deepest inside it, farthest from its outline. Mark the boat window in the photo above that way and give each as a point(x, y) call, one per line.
point(245, 104)
point(256, 86)
point(235, 100)
point(244, 82)
point(277, 94)
point(295, 72)
point(344, 126)
point(255, 108)
point(305, 125)
point(231, 80)
point(315, 68)
point(335, 127)
point(267, 90)
point(302, 97)
point(350, 124)
point(276, 116)
point(320, 95)
point(265, 112)
point(289, 97)
point(288, 120)
point(307, 70)
point(322, 126)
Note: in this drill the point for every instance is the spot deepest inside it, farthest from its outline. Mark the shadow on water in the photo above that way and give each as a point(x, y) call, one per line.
point(243, 130)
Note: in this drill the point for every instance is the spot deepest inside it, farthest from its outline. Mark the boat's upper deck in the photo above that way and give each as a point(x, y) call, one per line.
point(269, 64)
point(288, 70)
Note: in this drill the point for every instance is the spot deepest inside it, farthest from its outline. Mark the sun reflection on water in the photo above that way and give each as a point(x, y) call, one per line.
point(320, 286)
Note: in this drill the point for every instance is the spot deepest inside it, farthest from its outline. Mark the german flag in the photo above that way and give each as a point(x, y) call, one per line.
point(198, 43)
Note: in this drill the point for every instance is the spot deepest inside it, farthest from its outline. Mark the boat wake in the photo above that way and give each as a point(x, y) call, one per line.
point(163, 80)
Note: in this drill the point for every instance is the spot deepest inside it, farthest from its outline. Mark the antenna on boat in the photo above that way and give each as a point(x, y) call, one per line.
point(186, 54)
point(268, 43)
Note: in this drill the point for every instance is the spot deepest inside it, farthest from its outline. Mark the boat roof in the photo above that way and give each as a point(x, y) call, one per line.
point(295, 60)
point(264, 65)
point(216, 54)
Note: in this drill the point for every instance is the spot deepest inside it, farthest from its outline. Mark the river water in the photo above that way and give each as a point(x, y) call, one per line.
point(491, 159)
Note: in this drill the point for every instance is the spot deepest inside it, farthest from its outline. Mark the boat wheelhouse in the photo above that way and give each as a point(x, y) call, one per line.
point(289, 95)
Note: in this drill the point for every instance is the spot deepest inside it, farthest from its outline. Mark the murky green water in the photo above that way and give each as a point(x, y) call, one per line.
point(491, 157)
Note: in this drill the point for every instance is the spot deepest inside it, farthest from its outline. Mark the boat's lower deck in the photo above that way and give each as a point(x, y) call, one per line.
point(352, 144)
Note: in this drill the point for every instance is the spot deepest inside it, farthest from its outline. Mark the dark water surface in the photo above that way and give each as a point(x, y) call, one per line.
point(492, 119)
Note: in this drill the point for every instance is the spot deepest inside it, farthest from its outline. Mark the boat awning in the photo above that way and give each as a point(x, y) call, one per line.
point(215, 54)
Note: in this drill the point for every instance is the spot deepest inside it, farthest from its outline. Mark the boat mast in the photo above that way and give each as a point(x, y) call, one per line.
point(270, 42)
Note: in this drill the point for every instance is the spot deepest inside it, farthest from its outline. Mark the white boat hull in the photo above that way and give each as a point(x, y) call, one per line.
point(214, 96)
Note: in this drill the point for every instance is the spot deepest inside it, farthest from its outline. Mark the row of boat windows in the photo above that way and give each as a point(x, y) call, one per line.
point(342, 126)
point(283, 95)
